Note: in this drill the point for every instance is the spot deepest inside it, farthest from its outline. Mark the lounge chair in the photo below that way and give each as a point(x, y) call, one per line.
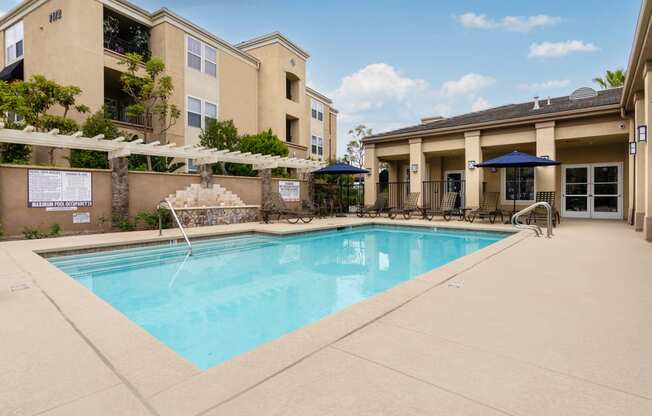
point(276, 207)
point(376, 209)
point(446, 208)
point(408, 208)
point(489, 208)
point(540, 213)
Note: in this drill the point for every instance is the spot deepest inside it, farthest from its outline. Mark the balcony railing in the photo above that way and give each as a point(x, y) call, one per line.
point(123, 46)
point(119, 113)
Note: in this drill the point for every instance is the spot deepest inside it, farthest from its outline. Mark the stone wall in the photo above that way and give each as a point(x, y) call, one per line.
point(199, 217)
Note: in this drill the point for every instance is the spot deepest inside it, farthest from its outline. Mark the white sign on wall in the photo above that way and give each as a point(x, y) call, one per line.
point(81, 218)
point(290, 190)
point(54, 188)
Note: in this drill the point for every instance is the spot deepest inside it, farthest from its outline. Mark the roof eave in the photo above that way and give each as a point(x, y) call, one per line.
point(585, 112)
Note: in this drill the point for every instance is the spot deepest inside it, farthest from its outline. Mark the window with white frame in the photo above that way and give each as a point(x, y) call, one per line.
point(14, 43)
point(317, 146)
point(210, 60)
point(518, 184)
point(210, 113)
point(201, 113)
point(317, 110)
point(202, 57)
point(194, 112)
point(194, 53)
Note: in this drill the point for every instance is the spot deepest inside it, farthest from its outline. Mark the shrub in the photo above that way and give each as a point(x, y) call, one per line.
point(34, 233)
point(149, 219)
point(122, 223)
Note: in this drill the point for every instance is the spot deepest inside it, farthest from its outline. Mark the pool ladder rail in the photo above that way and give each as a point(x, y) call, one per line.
point(166, 204)
point(534, 227)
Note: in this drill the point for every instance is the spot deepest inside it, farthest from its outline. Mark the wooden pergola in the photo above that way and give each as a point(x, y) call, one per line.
point(119, 147)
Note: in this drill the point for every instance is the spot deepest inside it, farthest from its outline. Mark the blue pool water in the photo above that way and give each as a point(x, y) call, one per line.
point(237, 293)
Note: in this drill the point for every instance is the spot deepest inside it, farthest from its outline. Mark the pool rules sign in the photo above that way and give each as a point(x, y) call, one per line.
point(59, 189)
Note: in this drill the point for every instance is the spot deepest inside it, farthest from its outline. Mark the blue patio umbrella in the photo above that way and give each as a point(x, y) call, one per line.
point(340, 169)
point(517, 159)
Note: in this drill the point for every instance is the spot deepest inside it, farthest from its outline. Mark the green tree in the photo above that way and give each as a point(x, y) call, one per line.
point(32, 102)
point(150, 90)
point(98, 123)
point(266, 143)
point(220, 135)
point(355, 150)
point(611, 79)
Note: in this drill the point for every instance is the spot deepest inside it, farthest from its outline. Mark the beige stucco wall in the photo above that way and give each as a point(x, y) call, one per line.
point(14, 214)
point(238, 92)
point(168, 43)
point(68, 50)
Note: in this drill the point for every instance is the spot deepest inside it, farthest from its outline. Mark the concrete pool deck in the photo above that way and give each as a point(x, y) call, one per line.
point(526, 326)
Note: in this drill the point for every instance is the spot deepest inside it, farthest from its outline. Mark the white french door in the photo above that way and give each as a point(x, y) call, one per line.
point(592, 190)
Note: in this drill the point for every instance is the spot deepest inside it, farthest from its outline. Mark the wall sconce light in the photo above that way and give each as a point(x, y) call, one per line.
point(414, 168)
point(494, 170)
point(642, 133)
point(471, 164)
point(545, 157)
point(632, 148)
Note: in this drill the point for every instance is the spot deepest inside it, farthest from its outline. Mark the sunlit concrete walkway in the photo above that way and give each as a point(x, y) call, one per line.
point(545, 327)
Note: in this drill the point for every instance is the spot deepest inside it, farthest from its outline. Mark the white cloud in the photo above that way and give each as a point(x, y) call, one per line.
point(508, 23)
point(480, 104)
point(557, 49)
point(468, 84)
point(545, 85)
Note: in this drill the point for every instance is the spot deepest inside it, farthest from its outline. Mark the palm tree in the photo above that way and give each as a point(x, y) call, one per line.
point(612, 79)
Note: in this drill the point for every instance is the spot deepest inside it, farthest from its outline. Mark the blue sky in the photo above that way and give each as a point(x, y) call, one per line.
point(386, 63)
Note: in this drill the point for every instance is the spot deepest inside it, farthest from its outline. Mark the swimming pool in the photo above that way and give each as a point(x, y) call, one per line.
point(236, 293)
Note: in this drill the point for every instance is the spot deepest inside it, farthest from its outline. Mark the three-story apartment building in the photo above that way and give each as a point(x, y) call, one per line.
point(260, 84)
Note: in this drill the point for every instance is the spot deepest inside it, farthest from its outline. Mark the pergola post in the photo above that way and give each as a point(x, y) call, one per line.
point(119, 190)
point(266, 184)
point(206, 174)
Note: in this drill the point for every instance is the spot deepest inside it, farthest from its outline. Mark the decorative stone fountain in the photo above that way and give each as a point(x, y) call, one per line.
point(198, 206)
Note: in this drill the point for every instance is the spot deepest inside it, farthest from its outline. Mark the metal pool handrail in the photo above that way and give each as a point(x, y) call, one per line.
point(176, 218)
point(534, 227)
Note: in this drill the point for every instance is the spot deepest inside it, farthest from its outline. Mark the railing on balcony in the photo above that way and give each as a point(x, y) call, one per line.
point(118, 112)
point(396, 192)
point(123, 46)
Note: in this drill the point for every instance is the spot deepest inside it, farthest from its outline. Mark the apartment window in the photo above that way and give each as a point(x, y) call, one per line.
point(210, 60)
point(288, 130)
point(14, 43)
point(317, 146)
point(518, 183)
point(317, 110)
point(210, 113)
point(194, 112)
point(194, 53)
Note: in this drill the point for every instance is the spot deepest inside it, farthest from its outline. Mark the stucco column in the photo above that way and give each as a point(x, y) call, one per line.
point(647, 222)
point(206, 175)
point(631, 174)
point(546, 177)
point(392, 171)
point(119, 190)
point(639, 197)
point(418, 172)
point(371, 164)
point(473, 177)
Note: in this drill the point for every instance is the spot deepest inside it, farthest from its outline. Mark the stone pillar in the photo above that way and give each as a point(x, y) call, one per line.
point(206, 175)
point(418, 172)
point(647, 222)
point(631, 174)
point(473, 177)
point(639, 198)
point(119, 190)
point(546, 177)
point(370, 181)
point(266, 184)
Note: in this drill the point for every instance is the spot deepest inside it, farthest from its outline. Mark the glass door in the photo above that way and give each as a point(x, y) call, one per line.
point(454, 181)
point(575, 191)
point(607, 193)
point(592, 191)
